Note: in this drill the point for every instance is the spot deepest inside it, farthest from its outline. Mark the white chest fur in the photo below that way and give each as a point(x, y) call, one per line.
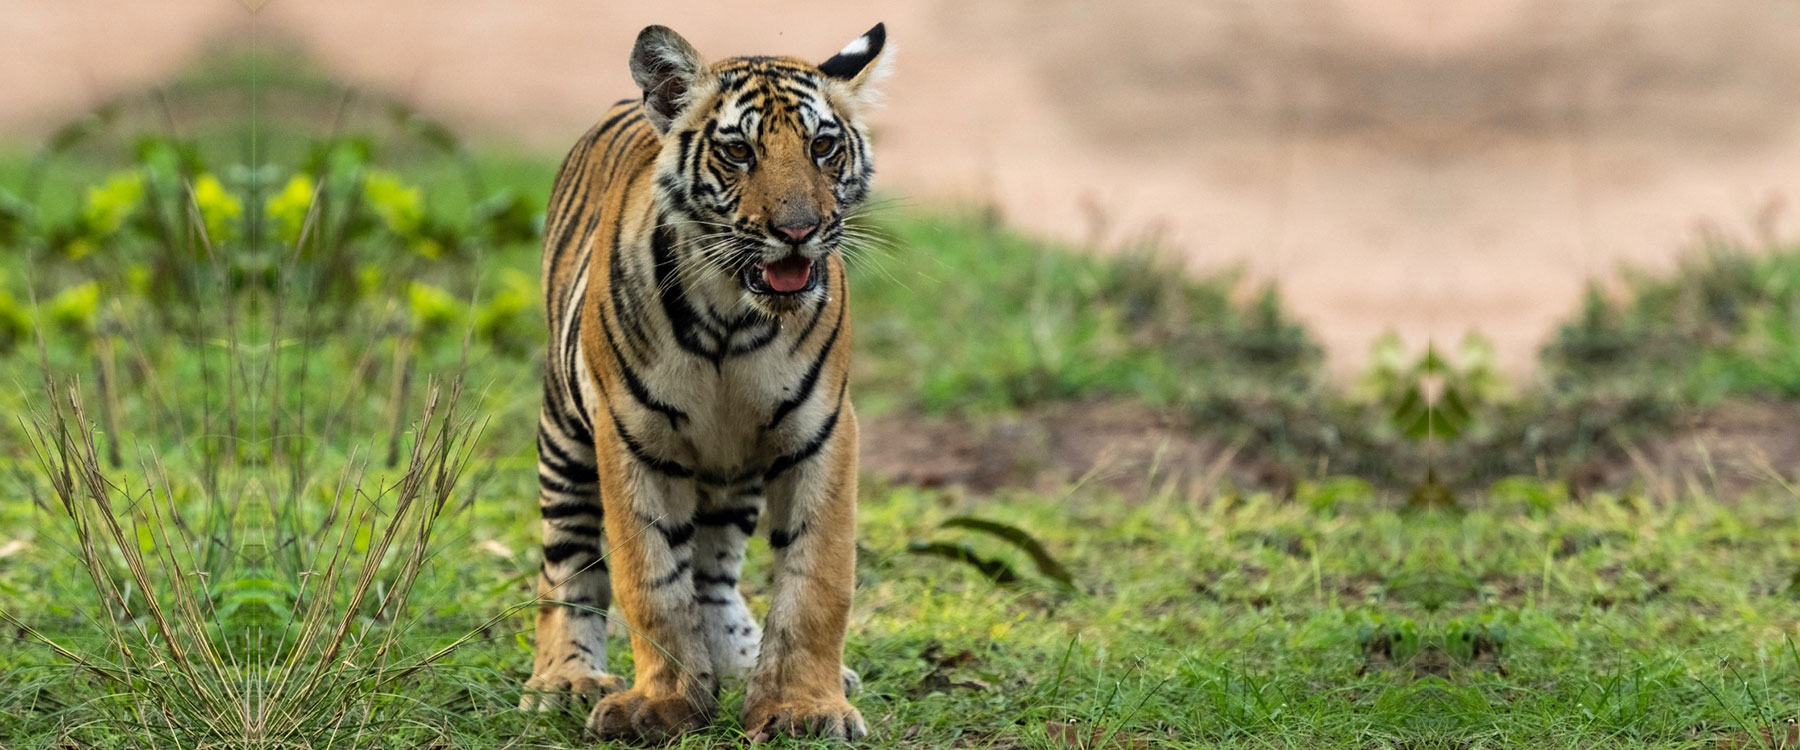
point(731, 417)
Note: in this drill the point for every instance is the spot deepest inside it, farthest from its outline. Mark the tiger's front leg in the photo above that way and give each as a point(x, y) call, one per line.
point(725, 522)
point(650, 530)
point(570, 668)
point(799, 683)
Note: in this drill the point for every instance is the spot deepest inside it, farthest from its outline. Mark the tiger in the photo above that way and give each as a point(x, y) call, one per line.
point(697, 386)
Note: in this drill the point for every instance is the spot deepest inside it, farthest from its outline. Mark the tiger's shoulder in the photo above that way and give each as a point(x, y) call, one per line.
point(609, 167)
point(620, 146)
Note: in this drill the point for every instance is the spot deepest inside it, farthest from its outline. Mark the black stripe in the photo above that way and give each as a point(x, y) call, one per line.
point(578, 271)
point(571, 364)
point(807, 451)
point(684, 322)
point(566, 232)
point(584, 530)
point(560, 551)
point(681, 569)
point(566, 475)
point(676, 536)
point(571, 166)
point(812, 323)
point(569, 510)
point(636, 385)
point(701, 577)
point(715, 321)
point(782, 538)
point(584, 606)
point(569, 185)
point(624, 113)
point(571, 339)
point(628, 312)
point(554, 485)
point(811, 382)
point(556, 410)
point(711, 601)
point(743, 518)
point(672, 535)
point(618, 146)
point(670, 186)
point(662, 466)
point(549, 446)
point(566, 467)
point(734, 84)
point(764, 337)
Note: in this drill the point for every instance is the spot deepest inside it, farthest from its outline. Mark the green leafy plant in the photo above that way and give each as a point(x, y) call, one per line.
point(290, 207)
point(75, 309)
point(434, 311)
point(220, 210)
point(1435, 396)
point(15, 323)
point(509, 317)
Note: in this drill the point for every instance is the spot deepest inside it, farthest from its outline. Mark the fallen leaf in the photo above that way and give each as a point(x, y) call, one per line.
point(939, 676)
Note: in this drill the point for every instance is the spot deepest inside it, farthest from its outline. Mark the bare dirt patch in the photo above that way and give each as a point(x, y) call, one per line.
point(1128, 448)
point(1724, 451)
point(1136, 451)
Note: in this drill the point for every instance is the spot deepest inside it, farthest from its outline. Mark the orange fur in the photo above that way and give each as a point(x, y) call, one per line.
point(683, 396)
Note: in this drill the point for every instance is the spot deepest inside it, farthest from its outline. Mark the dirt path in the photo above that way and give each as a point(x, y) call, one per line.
point(1396, 164)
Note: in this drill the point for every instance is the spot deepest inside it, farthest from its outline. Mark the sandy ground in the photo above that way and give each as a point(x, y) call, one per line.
point(1412, 165)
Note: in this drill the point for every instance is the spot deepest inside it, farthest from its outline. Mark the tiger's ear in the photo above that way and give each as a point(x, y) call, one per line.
point(861, 63)
point(667, 68)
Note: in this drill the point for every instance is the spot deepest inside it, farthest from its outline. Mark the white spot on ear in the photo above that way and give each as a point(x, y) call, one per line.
point(856, 46)
point(867, 89)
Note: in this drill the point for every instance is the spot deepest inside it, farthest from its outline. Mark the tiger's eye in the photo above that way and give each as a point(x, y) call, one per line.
point(823, 145)
point(737, 150)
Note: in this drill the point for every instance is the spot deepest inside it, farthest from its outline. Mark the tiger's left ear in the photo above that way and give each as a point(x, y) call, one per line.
point(667, 68)
point(861, 63)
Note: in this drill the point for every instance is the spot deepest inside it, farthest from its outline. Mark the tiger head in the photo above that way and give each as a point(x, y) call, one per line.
point(762, 157)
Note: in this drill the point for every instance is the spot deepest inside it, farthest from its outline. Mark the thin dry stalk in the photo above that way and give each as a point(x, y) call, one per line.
point(187, 673)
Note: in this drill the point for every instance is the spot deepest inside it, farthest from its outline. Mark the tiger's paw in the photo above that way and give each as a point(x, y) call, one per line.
point(635, 717)
point(577, 686)
point(832, 718)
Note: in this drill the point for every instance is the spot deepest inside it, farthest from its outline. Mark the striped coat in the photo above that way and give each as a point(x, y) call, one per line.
point(696, 387)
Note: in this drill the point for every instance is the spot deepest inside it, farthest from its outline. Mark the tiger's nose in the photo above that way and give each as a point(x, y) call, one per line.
point(797, 233)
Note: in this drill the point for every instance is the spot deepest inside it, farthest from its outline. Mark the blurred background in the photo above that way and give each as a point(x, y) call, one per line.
point(1421, 167)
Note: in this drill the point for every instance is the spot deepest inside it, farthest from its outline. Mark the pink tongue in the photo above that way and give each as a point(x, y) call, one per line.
point(788, 274)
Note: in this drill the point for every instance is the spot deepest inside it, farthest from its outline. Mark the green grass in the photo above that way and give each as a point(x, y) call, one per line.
point(955, 314)
point(1322, 611)
point(1331, 619)
point(1727, 324)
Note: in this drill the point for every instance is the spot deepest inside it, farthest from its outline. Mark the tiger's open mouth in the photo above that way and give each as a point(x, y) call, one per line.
point(790, 275)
